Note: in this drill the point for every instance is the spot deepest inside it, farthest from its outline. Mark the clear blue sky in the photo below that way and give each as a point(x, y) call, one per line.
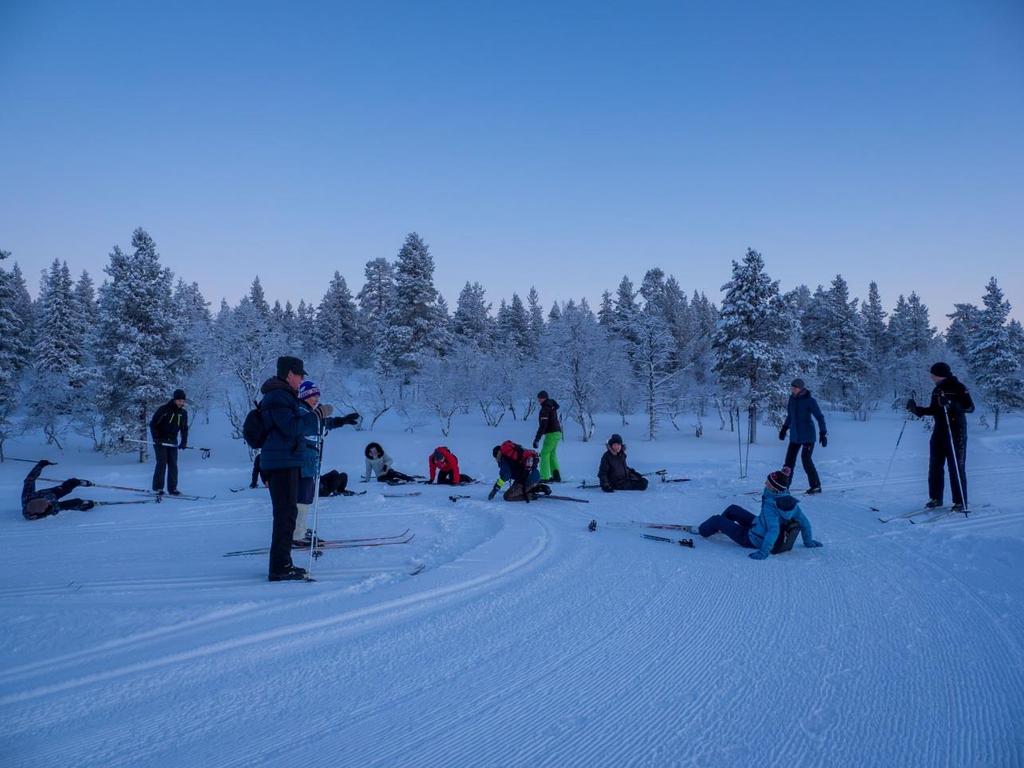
point(561, 144)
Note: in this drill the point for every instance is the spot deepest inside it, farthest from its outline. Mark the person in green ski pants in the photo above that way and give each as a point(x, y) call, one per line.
point(550, 429)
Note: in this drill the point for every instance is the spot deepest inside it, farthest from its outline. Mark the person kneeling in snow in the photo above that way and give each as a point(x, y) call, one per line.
point(36, 504)
point(614, 474)
point(519, 465)
point(774, 530)
point(445, 465)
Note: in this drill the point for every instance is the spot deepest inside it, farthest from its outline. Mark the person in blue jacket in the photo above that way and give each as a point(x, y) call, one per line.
point(798, 423)
point(283, 455)
point(762, 532)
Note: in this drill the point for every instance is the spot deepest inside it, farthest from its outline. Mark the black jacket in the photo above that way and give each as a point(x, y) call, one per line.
point(614, 471)
point(168, 421)
point(547, 421)
point(799, 411)
point(951, 392)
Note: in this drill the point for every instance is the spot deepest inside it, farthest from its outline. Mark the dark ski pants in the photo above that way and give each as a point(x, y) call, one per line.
point(805, 457)
point(941, 453)
point(284, 495)
point(166, 463)
point(632, 483)
point(445, 477)
point(735, 523)
point(395, 476)
point(333, 482)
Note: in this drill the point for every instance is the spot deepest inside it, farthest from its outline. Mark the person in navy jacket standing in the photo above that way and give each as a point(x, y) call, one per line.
point(800, 426)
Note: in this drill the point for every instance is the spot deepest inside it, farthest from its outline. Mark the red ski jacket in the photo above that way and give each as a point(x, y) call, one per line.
point(448, 462)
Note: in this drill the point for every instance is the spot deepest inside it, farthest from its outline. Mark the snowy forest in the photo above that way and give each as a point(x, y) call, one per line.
point(97, 360)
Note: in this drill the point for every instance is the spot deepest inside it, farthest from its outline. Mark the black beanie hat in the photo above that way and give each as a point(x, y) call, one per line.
point(542, 395)
point(942, 369)
point(616, 438)
point(179, 394)
point(798, 383)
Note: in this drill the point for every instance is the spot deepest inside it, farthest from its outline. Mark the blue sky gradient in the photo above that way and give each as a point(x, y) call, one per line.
point(556, 144)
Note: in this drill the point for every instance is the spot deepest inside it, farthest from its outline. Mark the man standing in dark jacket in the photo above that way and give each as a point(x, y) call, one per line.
point(550, 429)
point(614, 473)
point(950, 403)
point(798, 423)
point(281, 458)
point(169, 421)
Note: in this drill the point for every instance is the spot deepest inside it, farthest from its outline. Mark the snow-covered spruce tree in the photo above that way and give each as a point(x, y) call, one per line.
point(198, 367)
point(139, 346)
point(536, 314)
point(472, 323)
point(843, 367)
point(337, 330)
point(879, 345)
point(87, 421)
point(305, 330)
point(258, 298)
point(991, 358)
point(410, 332)
point(24, 312)
point(57, 355)
point(606, 312)
point(513, 326)
point(11, 354)
point(963, 326)
point(575, 356)
point(753, 330)
point(701, 358)
point(245, 350)
point(915, 348)
point(376, 298)
point(652, 353)
point(813, 331)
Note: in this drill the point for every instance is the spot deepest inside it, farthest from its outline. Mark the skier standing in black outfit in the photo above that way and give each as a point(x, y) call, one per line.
point(169, 421)
point(799, 410)
point(614, 473)
point(950, 403)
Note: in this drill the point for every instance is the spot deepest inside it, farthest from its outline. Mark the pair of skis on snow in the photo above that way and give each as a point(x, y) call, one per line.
point(936, 513)
point(632, 524)
point(321, 544)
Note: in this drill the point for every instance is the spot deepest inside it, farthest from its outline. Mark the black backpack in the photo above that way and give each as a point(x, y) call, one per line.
point(254, 428)
point(788, 529)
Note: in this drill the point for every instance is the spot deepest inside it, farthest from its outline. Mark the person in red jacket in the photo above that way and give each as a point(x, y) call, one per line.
point(445, 465)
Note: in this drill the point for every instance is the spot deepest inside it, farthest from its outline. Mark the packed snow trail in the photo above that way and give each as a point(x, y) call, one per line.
point(527, 640)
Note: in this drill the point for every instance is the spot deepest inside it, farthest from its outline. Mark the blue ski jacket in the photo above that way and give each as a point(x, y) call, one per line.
point(776, 507)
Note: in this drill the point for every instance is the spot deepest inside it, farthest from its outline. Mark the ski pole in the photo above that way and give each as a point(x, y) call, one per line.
point(205, 453)
point(314, 551)
point(27, 461)
point(956, 461)
point(913, 395)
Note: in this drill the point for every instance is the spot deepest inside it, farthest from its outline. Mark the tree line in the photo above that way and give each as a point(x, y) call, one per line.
point(97, 361)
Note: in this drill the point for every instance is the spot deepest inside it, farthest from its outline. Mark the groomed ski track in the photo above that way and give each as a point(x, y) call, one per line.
point(529, 641)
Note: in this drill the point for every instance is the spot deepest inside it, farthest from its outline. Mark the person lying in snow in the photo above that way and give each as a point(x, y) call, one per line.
point(774, 530)
point(36, 504)
point(445, 465)
point(380, 464)
point(614, 474)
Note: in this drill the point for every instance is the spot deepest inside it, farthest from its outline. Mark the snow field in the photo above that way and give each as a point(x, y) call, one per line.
point(525, 640)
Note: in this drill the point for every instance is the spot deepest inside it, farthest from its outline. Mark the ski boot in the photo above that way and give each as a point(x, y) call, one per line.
point(933, 504)
point(556, 476)
point(813, 491)
point(958, 508)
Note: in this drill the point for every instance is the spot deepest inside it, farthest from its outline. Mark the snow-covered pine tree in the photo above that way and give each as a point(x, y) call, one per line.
point(915, 348)
point(139, 346)
point(963, 326)
point(575, 355)
point(536, 314)
point(653, 355)
point(879, 344)
point(376, 298)
point(24, 311)
point(843, 366)
point(994, 364)
point(606, 312)
point(814, 329)
point(752, 334)
point(56, 356)
point(337, 330)
point(305, 329)
point(472, 323)
point(11, 360)
point(197, 368)
point(514, 326)
point(88, 421)
point(701, 357)
point(258, 298)
point(555, 313)
point(410, 324)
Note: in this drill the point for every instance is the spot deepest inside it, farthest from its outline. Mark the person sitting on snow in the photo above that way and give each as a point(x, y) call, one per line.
point(36, 504)
point(519, 465)
point(614, 474)
point(380, 464)
point(445, 465)
point(780, 514)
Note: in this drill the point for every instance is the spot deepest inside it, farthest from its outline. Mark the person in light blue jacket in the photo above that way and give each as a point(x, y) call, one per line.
point(779, 511)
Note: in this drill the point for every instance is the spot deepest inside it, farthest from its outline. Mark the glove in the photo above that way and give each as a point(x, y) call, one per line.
point(351, 418)
point(759, 555)
point(88, 504)
point(75, 482)
point(324, 410)
point(912, 405)
point(493, 493)
point(85, 483)
point(46, 463)
point(536, 443)
point(823, 439)
point(782, 433)
point(607, 489)
point(814, 543)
